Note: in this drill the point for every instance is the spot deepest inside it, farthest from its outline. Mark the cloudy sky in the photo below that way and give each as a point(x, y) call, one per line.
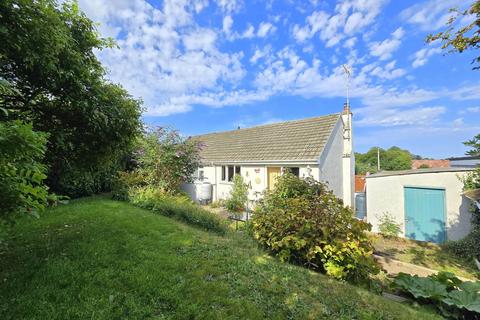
point(213, 65)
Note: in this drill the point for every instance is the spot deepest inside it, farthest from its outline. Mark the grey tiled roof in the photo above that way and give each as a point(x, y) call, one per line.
point(291, 140)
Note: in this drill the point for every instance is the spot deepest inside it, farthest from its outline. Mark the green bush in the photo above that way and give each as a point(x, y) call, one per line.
point(238, 196)
point(125, 182)
point(470, 245)
point(453, 297)
point(388, 226)
point(166, 159)
point(179, 207)
point(303, 222)
point(21, 171)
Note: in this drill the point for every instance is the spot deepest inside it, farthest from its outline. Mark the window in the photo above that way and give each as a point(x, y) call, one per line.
point(229, 171)
point(293, 170)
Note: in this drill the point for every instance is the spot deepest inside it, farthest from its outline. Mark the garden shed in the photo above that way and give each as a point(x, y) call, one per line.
point(428, 204)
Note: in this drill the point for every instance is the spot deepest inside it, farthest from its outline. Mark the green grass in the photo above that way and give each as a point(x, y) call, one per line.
point(425, 254)
point(101, 259)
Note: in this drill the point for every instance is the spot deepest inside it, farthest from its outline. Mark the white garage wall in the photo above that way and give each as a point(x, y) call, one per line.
point(386, 194)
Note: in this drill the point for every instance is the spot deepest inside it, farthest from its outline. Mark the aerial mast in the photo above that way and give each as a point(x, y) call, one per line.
point(348, 73)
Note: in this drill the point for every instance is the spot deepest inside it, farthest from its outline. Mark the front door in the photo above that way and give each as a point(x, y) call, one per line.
point(425, 214)
point(273, 173)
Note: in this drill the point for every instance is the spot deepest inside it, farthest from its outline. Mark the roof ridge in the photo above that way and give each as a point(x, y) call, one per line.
point(269, 124)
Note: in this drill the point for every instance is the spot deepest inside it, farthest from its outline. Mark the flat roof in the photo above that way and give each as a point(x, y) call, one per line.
point(417, 171)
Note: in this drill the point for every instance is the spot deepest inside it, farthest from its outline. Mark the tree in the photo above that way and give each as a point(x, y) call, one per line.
point(390, 159)
point(461, 38)
point(21, 171)
point(51, 78)
point(166, 159)
point(474, 144)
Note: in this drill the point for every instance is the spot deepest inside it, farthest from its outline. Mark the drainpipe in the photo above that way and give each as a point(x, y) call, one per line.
point(216, 182)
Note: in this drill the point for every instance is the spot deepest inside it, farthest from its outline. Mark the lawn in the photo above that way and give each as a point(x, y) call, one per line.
point(97, 258)
point(424, 254)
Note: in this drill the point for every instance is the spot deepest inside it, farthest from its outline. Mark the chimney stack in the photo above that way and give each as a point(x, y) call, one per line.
point(346, 108)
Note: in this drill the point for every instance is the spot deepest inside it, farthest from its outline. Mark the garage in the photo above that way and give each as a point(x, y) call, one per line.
point(427, 204)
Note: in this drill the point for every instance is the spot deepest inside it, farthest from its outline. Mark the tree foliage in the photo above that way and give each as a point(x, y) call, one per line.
point(393, 158)
point(457, 38)
point(51, 77)
point(474, 145)
point(21, 170)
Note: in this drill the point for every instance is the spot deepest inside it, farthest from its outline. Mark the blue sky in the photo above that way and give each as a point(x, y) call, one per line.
point(203, 66)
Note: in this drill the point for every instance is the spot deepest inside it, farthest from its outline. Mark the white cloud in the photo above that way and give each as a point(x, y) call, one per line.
point(260, 53)
point(384, 49)
point(228, 5)
point(164, 53)
point(473, 109)
point(264, 29)
point(388, 72)
point(401, 117)
point(227, 25)
point(421, 56)
point(471, 92)
point(350, 17)
point(430, 15)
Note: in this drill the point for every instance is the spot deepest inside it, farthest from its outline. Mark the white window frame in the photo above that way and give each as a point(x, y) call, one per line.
point(225, 175)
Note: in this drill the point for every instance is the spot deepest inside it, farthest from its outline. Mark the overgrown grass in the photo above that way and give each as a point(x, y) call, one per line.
point(178, 207)
point(102, 259)
point(424, 254)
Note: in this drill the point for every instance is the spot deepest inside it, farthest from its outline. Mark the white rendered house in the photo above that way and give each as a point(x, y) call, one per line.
point(320, 147)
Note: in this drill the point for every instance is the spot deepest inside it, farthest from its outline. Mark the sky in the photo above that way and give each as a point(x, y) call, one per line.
point(212, 65)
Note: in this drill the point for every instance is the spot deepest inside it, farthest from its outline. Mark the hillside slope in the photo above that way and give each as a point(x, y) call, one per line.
point(101, 259)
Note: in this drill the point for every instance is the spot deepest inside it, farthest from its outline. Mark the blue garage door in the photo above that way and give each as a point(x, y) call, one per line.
point(425, 214)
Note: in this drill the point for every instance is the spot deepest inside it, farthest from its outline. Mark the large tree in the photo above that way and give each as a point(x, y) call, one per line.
point(457, 37)
point(393, 158)
point(50, 76)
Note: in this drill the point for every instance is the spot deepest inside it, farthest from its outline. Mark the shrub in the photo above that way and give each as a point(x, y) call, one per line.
point(179, 207)
point(454, 298)
point(125, 182)
point(238, 196)
point(21, 171)
point(388, 226)
point(470, 245)
point(166, 159)
point(303, 222)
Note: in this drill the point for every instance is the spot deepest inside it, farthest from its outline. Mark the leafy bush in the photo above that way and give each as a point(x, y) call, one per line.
point(454, 298)
point(21, 171)
point(238, 196)
point(166, 159)
point(470, 245)
point(179, 207)
point(388, 225)
point(303, 222)
point(125, 182)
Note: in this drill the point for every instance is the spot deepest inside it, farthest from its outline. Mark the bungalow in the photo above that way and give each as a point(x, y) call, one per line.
point(319, 147)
